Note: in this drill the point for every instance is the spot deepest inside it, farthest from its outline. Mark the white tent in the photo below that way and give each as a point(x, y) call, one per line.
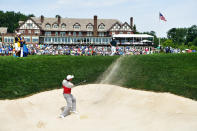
point(132, 36)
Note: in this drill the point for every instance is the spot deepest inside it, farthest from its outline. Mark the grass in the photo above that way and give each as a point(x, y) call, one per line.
point(24, 76)
point(175, 73)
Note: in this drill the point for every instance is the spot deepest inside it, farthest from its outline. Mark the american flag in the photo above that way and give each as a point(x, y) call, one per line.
point(161, 17)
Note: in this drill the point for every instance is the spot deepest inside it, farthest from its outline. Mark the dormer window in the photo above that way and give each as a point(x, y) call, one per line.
point(55, 26)
point(101, 26)
point(48, 26)
point(89, 26)
point(63, 26)
point(76, 26)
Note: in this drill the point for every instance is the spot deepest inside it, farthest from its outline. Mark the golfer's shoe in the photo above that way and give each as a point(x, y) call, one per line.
point(61, 116)
point(75, 112)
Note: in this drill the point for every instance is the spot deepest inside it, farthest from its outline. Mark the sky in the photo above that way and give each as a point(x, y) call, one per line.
point(145, 13)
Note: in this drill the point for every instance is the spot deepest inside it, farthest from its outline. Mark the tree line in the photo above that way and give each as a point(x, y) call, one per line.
point(177, 38)
point(10, 19)
point(182, 38)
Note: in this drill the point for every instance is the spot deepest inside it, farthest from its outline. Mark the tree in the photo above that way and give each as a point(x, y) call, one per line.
point(134, 29)
point(10, 19)
point(191, 34)
point(168, 43)
point(177, 35)
point(194, 42)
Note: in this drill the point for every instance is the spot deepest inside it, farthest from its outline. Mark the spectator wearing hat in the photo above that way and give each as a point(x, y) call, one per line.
point(70, 99)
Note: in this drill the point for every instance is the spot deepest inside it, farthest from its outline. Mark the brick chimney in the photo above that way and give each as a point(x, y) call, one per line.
point(59, 19)
point(131, 22)
point(42, 19)
point(95, 26)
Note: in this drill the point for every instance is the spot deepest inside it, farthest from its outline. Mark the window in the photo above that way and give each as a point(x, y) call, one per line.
point(5, 39)
point(56, 33)
point(121, 33)
point(101, 33)
point(80, 34)
point(27, 39)
point(37, 31)
point(55, 26)
point(101, 26)
point(63, 26)
point(29, 25)
point(35, 39)
point(77, 26)
point(62, 33)
point(125, 27)
point(29, 31)
point(89, 26)
point(69, 33)
point(128, 32)
point(117, 27)
point(47, 33)
point(48, 26)
point(89, 33)
point(74, 33)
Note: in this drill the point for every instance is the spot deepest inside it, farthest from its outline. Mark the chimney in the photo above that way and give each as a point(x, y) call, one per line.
point(59, 19)
point(95, 26)
point(131, 22)
point(42, 19)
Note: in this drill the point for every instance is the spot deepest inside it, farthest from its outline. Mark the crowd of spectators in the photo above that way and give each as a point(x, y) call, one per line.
point(86, 50)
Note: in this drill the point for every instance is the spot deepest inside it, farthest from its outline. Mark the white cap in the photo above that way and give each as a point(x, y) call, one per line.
point(69, 77)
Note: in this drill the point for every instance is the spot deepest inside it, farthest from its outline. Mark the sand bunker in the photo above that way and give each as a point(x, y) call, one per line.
point(101, 108)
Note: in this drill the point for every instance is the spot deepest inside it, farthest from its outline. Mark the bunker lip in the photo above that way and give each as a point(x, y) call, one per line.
point(101, 107)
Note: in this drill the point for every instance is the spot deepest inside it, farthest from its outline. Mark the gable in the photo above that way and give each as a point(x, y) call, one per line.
point(125, 27)
point(29, 24)
point(115, 27)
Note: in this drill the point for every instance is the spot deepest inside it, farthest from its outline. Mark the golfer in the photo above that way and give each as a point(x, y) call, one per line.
point(70, 99)
point(113, 45)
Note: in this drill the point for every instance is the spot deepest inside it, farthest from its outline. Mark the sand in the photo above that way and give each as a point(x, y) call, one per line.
point(101, 108)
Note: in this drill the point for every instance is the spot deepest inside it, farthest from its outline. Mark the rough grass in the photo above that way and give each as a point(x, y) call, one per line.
point(24, 76)
point(175, 73)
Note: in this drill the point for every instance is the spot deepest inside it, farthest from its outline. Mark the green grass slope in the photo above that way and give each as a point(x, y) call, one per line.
point(24, 76)
point(175, 73)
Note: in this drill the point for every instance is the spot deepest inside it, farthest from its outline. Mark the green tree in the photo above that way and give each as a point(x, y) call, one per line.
point(177, 35)
point(191, 34)
point(10, 19)
point(134, 29)
point(194, 42)
point(168, 43)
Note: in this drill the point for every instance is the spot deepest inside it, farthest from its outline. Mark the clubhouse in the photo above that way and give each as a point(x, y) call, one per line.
point(70, 31)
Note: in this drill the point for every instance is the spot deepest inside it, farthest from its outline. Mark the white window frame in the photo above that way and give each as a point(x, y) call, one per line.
point(48, 26)
point(55, 26)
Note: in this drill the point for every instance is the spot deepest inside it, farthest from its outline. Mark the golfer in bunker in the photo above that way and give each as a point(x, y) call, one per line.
point(70, 99)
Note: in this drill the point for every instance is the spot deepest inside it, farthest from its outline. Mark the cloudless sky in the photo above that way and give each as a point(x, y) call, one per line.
point(179, 13)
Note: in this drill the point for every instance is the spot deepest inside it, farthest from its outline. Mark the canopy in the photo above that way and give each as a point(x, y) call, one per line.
point(132, 36)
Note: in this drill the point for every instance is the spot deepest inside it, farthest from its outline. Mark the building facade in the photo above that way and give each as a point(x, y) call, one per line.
point(72, 30)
